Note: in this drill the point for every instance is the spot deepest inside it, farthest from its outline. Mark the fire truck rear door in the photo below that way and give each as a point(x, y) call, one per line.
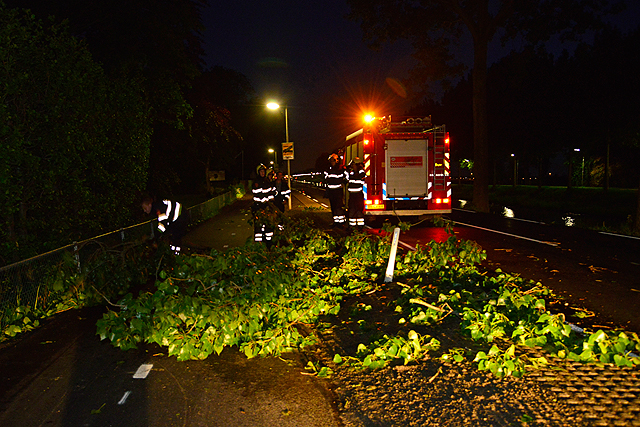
point(406, 168)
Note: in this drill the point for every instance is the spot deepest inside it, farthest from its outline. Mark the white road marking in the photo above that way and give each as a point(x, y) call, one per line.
point(508, 234)
point(517, 219)
point(124, 398)
point(619, 235)
point(143, 371)
point(527, 220)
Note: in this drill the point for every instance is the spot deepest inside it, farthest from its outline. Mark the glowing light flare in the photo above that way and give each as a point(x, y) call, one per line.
point(273, 105)
point(368, 118)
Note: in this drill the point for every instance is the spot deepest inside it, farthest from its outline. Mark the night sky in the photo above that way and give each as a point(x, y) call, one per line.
point(309, 56)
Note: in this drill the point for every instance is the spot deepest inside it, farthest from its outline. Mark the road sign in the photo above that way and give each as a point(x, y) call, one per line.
point(287, 151)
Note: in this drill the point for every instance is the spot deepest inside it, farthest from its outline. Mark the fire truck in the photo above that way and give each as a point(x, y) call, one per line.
point(406, 161)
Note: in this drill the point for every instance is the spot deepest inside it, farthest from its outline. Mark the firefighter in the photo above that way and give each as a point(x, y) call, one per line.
point(283, 192)
point(334, 178)
point(172, 221)
point(263, 194)
point(355, 187)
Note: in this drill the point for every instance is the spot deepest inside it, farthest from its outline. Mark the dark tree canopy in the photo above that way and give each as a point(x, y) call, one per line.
point(75, 143)
point(438, 29)
point(542, 108)
point(155, 42)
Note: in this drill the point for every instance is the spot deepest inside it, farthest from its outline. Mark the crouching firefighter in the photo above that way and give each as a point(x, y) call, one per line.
point(263, 194)
point(172, 221)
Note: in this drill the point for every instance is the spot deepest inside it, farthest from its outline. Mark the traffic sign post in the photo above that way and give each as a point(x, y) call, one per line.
point(287, 151)
point(287, 154)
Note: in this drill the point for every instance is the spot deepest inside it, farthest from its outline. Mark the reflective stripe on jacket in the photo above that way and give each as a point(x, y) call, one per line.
point(167, 212)
point(334, 177)
point(356, 180)
point(263, 191)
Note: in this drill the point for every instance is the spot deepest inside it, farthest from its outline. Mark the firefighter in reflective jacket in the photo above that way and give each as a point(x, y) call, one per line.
point(263, 194)
point(334, 177)
point(355, 187)
point(172, 221)
point(282, 191)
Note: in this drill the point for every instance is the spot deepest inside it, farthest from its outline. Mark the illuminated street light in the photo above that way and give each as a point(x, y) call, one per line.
point(275, 156)
point(275, 106)
point(368, 118)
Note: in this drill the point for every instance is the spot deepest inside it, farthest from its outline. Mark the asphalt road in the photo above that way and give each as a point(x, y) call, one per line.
point(63, 375)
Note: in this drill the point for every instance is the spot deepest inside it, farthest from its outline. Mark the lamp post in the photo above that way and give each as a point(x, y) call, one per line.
point(582, 170)
point(276, 106)
point(275, 157)
point(242, 164)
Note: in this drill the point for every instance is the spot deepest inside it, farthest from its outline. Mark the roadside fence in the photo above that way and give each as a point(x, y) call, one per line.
point(25, 283)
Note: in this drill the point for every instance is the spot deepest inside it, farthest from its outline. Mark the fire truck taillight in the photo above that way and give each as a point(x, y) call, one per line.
point(441, 201)
point(366, 142)
point(374, 204)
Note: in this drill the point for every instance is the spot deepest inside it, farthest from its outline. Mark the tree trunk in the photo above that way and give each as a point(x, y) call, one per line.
point(570, 181)
point(480, 127)
point(606, 170)
point(636, 219)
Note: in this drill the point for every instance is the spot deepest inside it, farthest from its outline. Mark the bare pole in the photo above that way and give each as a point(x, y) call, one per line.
point(286, 126)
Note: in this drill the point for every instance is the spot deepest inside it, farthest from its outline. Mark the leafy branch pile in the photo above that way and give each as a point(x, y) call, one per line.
point(500, 310)
point(265, 302)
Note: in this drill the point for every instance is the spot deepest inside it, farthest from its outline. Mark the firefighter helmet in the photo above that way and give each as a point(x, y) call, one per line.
point(261, 166)
point(355, 161)
point(334, 156)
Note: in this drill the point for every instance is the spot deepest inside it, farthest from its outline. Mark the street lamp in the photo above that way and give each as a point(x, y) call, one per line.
point(275, 106)
point(275, 156)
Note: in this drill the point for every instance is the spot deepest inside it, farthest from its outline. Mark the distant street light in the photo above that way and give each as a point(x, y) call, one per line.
point(275, 156)
point(276, 106)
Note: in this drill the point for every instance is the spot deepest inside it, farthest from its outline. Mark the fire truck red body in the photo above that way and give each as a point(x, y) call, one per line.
point(407, 166)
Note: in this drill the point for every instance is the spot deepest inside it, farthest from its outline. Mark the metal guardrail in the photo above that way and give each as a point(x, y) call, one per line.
point(27, 283)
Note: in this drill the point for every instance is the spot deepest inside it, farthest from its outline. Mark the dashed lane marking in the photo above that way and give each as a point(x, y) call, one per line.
point(143, 371)
point(124, 398)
